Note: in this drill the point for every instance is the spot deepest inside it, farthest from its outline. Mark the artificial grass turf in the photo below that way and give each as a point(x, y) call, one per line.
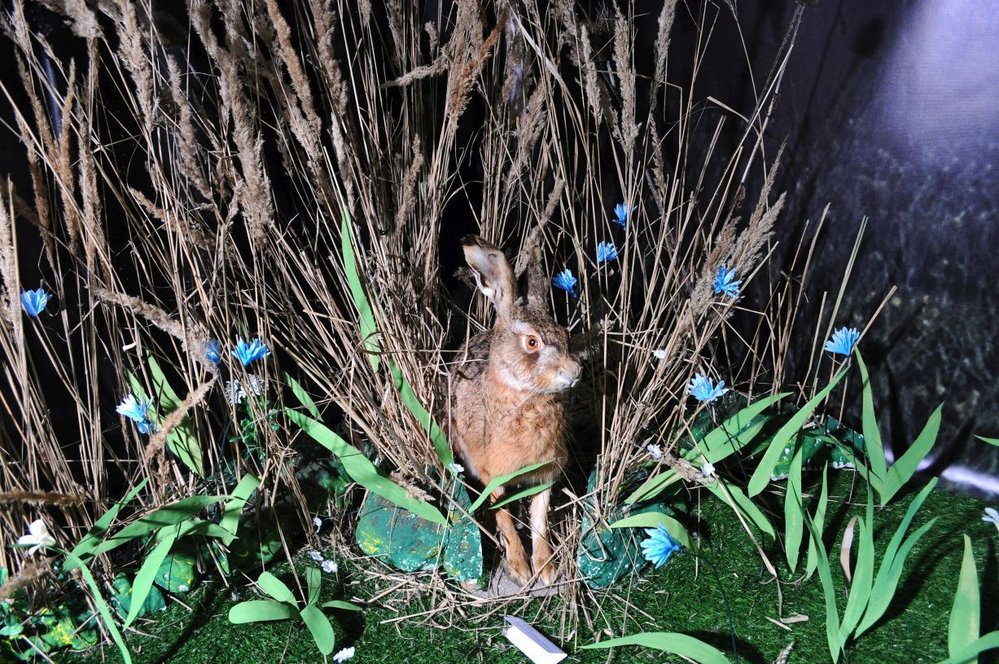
point(702, 596)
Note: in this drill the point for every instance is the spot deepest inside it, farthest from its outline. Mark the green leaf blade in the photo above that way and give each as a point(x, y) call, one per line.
point(965, 617)
point(671, 642)
point(260, 610)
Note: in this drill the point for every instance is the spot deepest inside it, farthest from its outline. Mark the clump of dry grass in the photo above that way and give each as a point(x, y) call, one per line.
point(192, 185)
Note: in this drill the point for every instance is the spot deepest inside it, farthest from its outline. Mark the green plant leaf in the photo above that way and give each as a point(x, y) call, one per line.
point(863, 573)
point(361, 470)
point(146, 575)
point(500, 480)
point(673, 642)
point(107, 620)
point(86, 547)
point(302, 396)
point(990, 441)
point(341, 605)
point(653, 519)
point(794, 508)
point(524, 493)
point(905, 466)
point(164, 394)
point(819, 519)
point(183, 443)
point(314, 583)
point(320, 627)
point(365, 314)
point(828, 591)
point(653, 486)
point(234, 506)
point(724, 489)
point(965, 614)
point(761, 477)
point(872, 434)
point(429, 424)
point(276, 588)
point(260, 610)
point(890, 569)
point(735, 432)
point(970, 654)
point(168, 515)
point(730, 436)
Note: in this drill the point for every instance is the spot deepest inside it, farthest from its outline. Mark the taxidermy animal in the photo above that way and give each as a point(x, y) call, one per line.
point(508, 400)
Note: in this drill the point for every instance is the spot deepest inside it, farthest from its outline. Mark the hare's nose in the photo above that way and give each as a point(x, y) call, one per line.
point(570, 375)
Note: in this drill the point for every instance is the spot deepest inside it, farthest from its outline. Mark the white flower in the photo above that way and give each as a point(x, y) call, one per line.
point(655, 451)
point(315, 555)
point(330, 566)
point(37, 538)
point(317, 522)
point(708, 469)
point(456, 468)
point(234, 393)
point(991, 516)
point(255, 384)
point(344, 654)
point(659, 354)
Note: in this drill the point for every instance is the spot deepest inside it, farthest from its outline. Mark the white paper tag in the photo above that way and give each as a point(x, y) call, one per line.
point(531, 642)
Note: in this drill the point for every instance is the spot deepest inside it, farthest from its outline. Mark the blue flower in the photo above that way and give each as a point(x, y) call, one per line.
point(566, 281)
point(213, 351)
point(725, 282)
point(621, 213)
point(248, 352)
point(843, 340)
point(702, 389)
point(606, 251)
point(139, 412)
point(659, 546)
point(34, 301)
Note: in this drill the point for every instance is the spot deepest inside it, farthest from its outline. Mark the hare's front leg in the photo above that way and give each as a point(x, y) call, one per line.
point(541, 548)
point(516, 556)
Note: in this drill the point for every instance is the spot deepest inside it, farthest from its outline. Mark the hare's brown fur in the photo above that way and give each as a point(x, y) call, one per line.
point(508, 402)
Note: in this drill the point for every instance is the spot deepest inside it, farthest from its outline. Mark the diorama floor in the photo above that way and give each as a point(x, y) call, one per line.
point(724, 591)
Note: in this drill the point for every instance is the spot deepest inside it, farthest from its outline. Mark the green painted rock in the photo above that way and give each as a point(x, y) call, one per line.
point(176, 573)
point(255, 544)
point(411, 543)
point(608, 554)
point(121, 600)
point(61, 628)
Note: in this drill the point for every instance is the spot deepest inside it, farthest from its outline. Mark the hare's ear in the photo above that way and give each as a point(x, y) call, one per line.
point(492, 273)
point(537, 283)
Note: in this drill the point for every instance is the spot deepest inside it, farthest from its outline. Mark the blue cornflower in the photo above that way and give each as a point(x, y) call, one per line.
point(725, 282)
point(606, 251)
point(248, 352)
point(213, 351)
point(659, 546)
point(621, 213)
point(702, 389)
point(139, 412)
point(34, 301)
point(566, 281)
point(843, 340)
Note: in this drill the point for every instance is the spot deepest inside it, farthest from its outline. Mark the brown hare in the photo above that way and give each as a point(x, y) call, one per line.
point(508, 399)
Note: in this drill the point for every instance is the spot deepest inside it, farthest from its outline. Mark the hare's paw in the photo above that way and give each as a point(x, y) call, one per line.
point(519, 568)
point(548, 574)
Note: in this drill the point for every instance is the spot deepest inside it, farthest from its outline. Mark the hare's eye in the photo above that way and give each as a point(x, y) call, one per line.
point(531, 343)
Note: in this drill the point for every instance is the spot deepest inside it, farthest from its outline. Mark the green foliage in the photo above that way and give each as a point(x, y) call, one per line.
point(761, 476)
point(885, 480)
point(283, 606)
point(369, 338)
point(361, 470)
point(729, 437)
point(671, 642)
point(500, 480)
point(867, 601)
point(675, 529)
point(181, 440)
point(963, 642)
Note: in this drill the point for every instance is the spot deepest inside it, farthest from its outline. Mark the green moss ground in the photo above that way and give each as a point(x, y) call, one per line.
point(683, 596)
